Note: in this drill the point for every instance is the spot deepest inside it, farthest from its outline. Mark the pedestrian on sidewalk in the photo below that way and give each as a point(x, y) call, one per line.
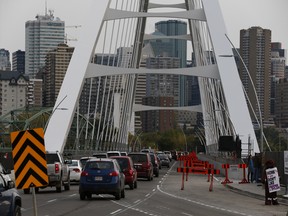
point(270, 197)
point(250, 165)
point(257, 168)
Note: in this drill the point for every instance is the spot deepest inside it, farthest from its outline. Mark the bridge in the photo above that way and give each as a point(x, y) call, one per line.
point(107, 92)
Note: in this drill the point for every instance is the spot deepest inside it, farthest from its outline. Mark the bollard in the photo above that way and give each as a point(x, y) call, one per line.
point(244, 180)
point(226, 167)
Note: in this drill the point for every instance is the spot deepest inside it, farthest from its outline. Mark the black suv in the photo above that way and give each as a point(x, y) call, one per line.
point(8, 194)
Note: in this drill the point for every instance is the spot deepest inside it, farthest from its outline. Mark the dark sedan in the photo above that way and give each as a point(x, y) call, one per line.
point(10, 200)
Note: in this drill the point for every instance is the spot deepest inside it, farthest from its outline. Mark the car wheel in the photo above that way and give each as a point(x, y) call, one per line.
point(89, 196)
point(27, 191)
point(36, 189)
point(82, 196)
point(123, 193)
point(67, 185)
point(59, 187)
point(135, 184)
point(157, 174)
point(118, 195)
point(17, 210)
point(131, 185)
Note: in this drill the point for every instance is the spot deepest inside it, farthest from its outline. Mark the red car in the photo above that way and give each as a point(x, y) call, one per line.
point(127, 167)
point(143, 164)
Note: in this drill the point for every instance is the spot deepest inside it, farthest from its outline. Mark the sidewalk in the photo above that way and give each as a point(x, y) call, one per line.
point(253, 190)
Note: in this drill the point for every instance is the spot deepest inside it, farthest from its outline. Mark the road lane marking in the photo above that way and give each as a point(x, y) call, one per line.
point(154, 189)
point(53, 200)
point(115, 211)
point(72, 195)
point(137, 201)
point(186, 214)
point(147, 195)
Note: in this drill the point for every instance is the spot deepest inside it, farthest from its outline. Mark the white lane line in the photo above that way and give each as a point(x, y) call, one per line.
point(186, 214)
point(155, 189)
point(49, 201)
point(115, 211)
point(72, 195)
point(147, 195)
point(137, 201)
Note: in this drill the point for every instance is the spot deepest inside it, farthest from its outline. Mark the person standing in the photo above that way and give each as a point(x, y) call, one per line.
point(270, 196)
point(250, 168)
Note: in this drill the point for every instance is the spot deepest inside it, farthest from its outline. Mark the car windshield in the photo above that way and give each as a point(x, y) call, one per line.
point(138, 158)
point(100, 165)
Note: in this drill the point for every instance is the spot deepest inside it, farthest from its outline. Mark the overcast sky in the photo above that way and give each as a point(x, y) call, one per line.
point(238, 14)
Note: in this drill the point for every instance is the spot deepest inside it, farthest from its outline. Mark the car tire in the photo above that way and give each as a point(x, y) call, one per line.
point(131, 185)
point(123, 193)
point(135, 184)
point(157, 174)
point(17, 210)
point(89, 196)
point(59, 187)
point(27, 191)
point(82, 196)
point(67, 185)
point(118, 195)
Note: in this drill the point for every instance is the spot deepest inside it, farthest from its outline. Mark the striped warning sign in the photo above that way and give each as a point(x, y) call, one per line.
point(29, 156)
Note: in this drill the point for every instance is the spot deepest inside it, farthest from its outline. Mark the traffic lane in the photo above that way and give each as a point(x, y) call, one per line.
point(196, 191)
point(68, 202)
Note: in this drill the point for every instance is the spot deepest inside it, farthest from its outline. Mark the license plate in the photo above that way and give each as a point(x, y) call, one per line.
point(98, 178)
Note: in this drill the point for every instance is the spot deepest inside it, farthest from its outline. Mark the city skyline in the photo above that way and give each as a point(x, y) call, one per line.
point(12, 35)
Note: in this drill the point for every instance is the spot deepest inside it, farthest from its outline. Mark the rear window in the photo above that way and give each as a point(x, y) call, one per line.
point(52, 158)
point(139, 158)
point(113, 154)
point(73, 163)
point(100, 165)
point(123, 162)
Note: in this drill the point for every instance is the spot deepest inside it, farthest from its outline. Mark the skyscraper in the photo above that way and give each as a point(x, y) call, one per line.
point(5, 63)
point(256, 53)
point(41, 36)
point(18, 61)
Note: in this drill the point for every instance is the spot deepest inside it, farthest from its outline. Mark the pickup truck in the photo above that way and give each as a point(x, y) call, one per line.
point(58, 172)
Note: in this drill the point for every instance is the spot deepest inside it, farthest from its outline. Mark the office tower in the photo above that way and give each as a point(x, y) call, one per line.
point(57, 62)
point(34, 93)
point(281, 103)
point(256, 53)
point(41, 36)
point(13, 91)
point(178, 49)
point(278, 63)
point(5, 63)
point(18, 61)
point(158, 120)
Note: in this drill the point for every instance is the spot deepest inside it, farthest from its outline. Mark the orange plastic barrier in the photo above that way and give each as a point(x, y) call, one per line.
point(226, 167)
point(244, 180)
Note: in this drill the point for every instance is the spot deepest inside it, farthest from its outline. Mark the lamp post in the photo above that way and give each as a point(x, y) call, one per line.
point(184, 138)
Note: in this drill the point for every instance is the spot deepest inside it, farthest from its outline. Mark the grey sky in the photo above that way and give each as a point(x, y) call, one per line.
point(238, 14)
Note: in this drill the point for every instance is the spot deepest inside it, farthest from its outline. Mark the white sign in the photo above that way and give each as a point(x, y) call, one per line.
point(286, 162)
point(273, 179)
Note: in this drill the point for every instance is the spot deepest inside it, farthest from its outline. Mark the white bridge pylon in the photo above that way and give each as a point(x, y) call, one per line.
point(101, 80)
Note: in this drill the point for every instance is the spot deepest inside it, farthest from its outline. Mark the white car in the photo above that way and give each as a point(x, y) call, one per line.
point(75, 170)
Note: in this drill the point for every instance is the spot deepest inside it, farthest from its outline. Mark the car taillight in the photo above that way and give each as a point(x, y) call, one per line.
point(114, 173)
point(84, 173)
point(76, 170)
point(146, 165)
point(57, 168)
point(130, 172)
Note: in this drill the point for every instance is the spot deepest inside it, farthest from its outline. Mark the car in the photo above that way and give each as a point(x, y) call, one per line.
point(164, 160)
point(123, 153)
point(168, 153)
point(127, 166)
point(102, 176)
point(155, 164)
point(100, 155)
point(75, 168)
point(143, 165)
point(83, 160)
point(113, 153)
point(10, 199)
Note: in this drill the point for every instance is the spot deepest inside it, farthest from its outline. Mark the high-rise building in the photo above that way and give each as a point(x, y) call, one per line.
point(255, 50)
point(177, 48)
point(41, 36)
point(18, 61)
point(13, 91)
point(281, 103)
point(278, 63)
point(34, 93)
point(5, 63)
point(56, 65)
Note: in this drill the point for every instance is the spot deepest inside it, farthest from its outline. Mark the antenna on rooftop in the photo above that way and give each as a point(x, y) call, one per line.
point(45, 8)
